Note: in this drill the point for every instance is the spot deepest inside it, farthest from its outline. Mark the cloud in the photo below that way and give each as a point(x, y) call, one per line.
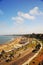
point(1, 12)
point(31, 15)
point(35, 11)
point(22, 16)
point(18, 19)
point(26, 15)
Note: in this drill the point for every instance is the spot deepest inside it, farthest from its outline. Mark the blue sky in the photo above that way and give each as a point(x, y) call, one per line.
point(21, 16)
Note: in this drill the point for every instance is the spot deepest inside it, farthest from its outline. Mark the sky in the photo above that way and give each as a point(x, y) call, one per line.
point(21, 16)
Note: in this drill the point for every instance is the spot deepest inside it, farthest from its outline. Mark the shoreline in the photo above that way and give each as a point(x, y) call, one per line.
point(8, 45)
point(9, 41)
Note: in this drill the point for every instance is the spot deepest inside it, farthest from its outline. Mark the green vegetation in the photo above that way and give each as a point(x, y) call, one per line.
point(37, 47)
point(8, 56)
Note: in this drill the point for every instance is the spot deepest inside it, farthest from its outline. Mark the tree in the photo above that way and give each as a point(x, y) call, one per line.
point(12, 54)
point(3, 54)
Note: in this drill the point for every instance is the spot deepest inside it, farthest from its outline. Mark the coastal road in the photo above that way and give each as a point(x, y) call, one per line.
point(29, 60)
point(25, 59)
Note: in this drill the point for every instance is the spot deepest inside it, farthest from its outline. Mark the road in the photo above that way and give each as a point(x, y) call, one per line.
point(25, 59)
point(29, 60)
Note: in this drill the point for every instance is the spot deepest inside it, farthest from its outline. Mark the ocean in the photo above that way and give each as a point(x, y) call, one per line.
point(4, 39)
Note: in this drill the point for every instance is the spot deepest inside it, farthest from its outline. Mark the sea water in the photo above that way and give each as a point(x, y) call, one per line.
point(4, 39)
